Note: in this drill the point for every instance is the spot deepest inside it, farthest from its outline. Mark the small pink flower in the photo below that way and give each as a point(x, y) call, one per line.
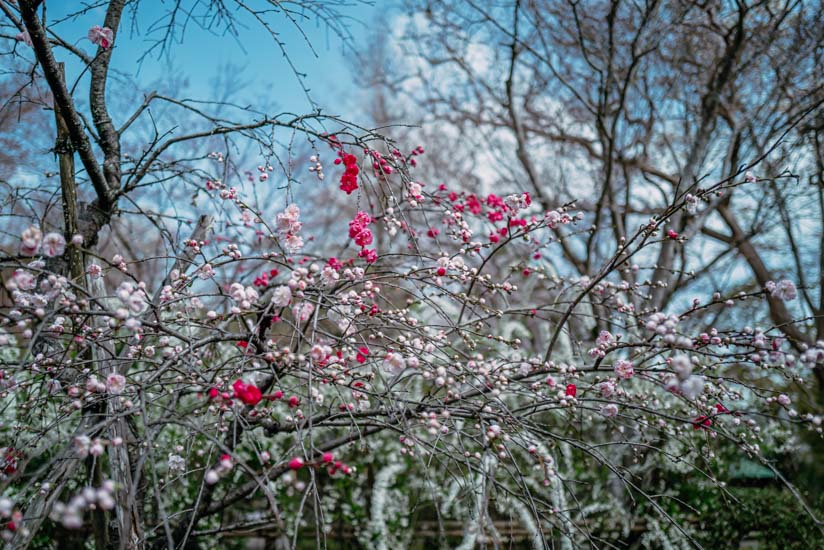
point(296, 463)
point(604, 338)
point(606, 388)
point(101, 36)
point(115, 383)
point(624, 369)
point(22, 280)
point(94, 271)
point(54, 245)
point(30, 241)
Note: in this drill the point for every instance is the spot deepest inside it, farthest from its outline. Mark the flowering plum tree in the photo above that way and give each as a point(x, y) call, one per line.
point(259, 374)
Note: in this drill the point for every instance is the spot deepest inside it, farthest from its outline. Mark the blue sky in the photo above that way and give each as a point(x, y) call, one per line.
point(254, 56)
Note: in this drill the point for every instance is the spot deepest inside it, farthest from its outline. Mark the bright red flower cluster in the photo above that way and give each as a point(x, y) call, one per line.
point(359, 229)
point(349, 179)
point(327, 459)
point(9, 458)
point(248, 393)
point(263, 279)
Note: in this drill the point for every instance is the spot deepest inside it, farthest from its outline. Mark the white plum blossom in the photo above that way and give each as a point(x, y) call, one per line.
point(329, 276)
point(691, 202)
point(692, 387)
point(394, 362)
point(682, 366)
point(244, 296)
point(70, 514)
point(176, 463)
point(96, 448)
point(132, 296)
point(281, 296)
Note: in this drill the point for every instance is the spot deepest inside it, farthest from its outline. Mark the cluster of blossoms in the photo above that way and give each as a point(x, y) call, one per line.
point(11, 519)
point(263, 173)
point(33, 242)
point(248, 393)
point(360, 233)
point(224, 466)
point(812, 355)
point(289, 225)
point(255, 354)
point(518, 202)
point(604, 341)
point(684, 382)
point(316, 167)
point(327, 460)
point(244, 296)
point(667, 326)
point(381, 167)
point(84, 446)
point(70, 514)
point(292, 293)
point(133, 301)
point(782, 290)
point(262, 280)
point(9, 459)
point(349, 178)
point(115, 384)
